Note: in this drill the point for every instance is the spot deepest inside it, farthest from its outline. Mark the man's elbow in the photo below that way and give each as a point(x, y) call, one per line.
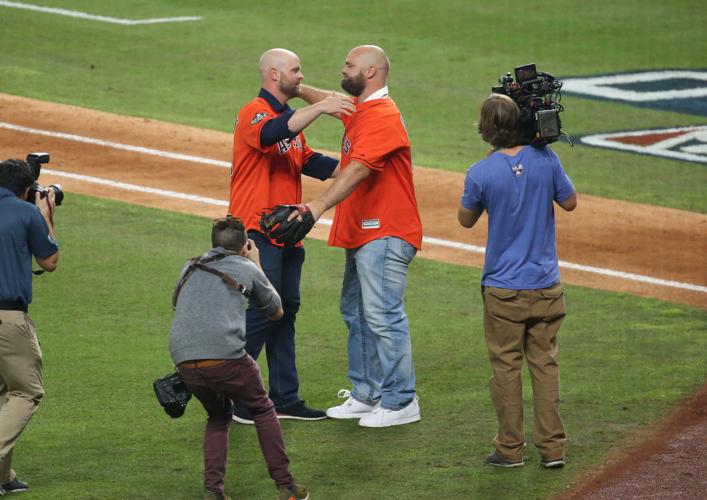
point(464, 222)
point(278, 314)
point(50, 263)
point(570, 203)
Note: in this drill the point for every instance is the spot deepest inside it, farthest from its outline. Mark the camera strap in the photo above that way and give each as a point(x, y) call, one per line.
point(199, 263)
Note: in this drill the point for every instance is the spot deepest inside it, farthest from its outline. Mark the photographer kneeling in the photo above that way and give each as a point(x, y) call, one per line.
point(207, 342)
point(524, 305)
point(26, 230)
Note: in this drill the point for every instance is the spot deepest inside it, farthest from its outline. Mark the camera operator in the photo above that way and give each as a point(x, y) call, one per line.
point(208, 340)
point(26, 230)
point(524, 304)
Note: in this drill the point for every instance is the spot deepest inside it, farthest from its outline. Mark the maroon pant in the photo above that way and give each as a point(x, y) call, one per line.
point(215, 387)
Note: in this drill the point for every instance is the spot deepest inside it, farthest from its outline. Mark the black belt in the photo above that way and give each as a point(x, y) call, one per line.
point(14, 305)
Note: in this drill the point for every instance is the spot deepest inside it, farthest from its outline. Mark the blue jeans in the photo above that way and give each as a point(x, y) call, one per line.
point(283, 267)
point(380, 353)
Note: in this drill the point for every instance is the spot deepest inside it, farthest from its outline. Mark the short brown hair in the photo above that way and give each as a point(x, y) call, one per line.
point(228, 233)
point(498, 123)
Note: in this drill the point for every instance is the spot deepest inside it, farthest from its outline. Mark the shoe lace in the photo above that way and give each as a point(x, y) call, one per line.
point(343, 393)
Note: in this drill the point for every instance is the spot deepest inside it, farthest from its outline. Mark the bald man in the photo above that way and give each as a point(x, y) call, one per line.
point(270, 156)
point(378, 224)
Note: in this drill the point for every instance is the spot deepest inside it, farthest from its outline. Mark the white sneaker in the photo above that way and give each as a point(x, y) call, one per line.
point(381, 417)
point(351, 408)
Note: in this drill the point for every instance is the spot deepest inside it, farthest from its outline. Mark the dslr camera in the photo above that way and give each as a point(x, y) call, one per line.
point(35, 161)
point(537, 94)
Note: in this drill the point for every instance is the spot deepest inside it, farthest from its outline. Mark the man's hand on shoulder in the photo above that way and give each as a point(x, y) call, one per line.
point(336, 104)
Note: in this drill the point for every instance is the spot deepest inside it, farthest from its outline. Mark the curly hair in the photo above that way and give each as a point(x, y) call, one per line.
point(498, 123)
point(229, 233)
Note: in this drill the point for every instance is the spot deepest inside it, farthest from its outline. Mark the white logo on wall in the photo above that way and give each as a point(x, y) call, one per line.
point(679, 143)
point(682, 91)
point(613, 86)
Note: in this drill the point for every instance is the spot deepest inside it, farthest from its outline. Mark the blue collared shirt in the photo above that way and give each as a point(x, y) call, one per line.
point(23, 233)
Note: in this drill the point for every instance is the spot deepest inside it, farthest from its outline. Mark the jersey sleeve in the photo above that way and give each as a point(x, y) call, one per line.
point(562, 185)
point(377, 139)
point(40, 243)
point(472, 195)
point(251, 121)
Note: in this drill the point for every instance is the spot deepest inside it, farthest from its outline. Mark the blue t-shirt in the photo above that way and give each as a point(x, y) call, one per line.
point(518, 192)
point(23, 233)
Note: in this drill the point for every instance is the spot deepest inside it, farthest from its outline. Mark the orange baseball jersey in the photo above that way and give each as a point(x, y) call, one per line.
point(384, 203)
point(263, 176)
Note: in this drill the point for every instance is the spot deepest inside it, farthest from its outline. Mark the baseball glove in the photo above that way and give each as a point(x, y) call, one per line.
point(274, 223)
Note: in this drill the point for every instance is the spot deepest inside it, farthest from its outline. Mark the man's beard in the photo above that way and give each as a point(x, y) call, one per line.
point(289, 89)
point(354, 85)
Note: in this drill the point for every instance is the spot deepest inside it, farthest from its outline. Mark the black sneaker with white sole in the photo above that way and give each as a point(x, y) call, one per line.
point(14, 486)
point(241, 414)
point(300, 411)
point(297, 411)
point(497, 460)
point(558, 463)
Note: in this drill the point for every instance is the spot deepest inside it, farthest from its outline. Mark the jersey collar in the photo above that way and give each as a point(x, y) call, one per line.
point(276, 105)
point(381, 93)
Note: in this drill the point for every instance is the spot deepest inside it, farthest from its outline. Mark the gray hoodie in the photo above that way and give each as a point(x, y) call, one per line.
point(209, 322)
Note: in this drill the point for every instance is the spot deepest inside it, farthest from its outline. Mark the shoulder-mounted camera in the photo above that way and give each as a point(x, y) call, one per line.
point(537, 94)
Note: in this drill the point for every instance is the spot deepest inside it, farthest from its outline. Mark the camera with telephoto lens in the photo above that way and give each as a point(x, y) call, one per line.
point(537, 94)
point(35, 161)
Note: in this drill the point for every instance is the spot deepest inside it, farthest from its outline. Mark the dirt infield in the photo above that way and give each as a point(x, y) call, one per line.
point(660, 243)
point(656, 242)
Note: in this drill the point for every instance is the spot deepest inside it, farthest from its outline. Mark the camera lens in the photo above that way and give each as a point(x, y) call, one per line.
point(58, 193)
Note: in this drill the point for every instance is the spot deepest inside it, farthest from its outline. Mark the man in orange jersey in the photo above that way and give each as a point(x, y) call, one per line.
point(378, 224)
point(269, 157)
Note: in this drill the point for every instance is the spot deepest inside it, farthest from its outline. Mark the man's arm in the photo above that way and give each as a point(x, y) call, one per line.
point(332, 104)
point(344, 184)
point(46, 207)
point(570, 203)
point(466, 217)
point(289, 123)
point(313, 95)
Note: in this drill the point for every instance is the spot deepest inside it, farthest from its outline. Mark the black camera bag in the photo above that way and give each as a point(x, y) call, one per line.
point(172, 394)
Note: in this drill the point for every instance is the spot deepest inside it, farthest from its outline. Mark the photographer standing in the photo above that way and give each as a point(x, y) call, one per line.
point(523, 297)
point(208, 344)
point(26, 230)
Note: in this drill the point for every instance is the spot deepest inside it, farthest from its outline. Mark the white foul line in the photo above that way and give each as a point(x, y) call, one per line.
point(92, 17)
point(213, 201)
point(116, 145)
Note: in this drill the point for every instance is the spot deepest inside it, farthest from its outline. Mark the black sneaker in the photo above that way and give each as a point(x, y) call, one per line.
point(14, 486)
point(553, 464)
point(241, 414)
point(299, 411)
point(497, 460)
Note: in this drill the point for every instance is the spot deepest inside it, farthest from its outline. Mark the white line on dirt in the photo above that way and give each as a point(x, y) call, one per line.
point(93, 17)
point(427, 239)
point(115, 145)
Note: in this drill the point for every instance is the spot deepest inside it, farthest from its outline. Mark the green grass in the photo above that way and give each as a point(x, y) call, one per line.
point(444, 59)
point(103, 319)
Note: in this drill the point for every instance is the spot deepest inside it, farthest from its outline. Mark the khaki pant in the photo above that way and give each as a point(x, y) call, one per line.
point(20, 383)
point(524, 323)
